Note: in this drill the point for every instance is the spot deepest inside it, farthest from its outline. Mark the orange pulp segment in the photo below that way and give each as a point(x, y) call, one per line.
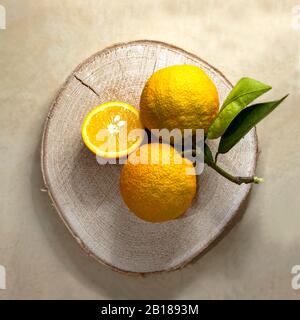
point(107, 130)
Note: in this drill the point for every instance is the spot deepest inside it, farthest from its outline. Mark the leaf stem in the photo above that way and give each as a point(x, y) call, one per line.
point(209, 160)
point(216, 157)
point(235, 179)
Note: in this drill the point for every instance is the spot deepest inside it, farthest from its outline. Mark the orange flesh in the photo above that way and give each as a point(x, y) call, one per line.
point(107, 127)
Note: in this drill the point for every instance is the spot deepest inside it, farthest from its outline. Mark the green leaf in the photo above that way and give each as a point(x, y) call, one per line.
point(243, 93)
point(246, 90)
point(208, 157)
point(244, 122)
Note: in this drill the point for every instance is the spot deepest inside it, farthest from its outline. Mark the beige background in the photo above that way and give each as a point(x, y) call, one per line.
point(43, 43)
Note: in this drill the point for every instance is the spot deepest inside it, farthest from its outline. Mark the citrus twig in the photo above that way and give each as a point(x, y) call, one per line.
point(209, 160)
point(216, 157)
point(236, 179)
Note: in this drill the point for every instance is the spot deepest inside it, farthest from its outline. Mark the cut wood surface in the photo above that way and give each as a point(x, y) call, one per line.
point(86, 194)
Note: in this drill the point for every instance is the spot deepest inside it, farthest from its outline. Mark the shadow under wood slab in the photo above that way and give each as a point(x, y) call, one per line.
point(86, 194)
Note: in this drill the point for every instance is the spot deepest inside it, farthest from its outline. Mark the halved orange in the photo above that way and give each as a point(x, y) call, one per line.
point(113, 130)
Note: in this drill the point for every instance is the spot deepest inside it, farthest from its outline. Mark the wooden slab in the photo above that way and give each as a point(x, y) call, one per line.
point(86, 194)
